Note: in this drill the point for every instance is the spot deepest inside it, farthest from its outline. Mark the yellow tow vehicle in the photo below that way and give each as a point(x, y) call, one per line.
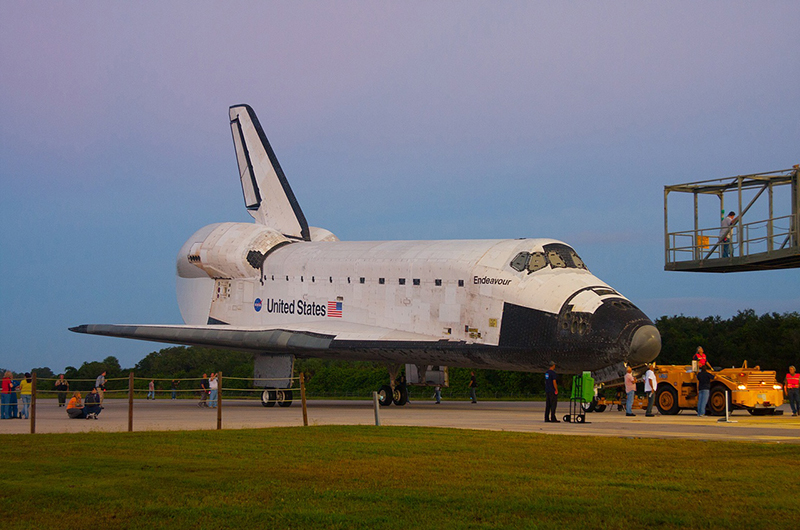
point(751, 389)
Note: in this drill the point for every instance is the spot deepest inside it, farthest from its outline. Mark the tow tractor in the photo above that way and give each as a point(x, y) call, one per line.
point(752, 389)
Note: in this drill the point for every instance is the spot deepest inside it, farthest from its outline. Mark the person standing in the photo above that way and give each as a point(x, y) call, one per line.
point(725, 233)
point(791, 387)
point(5, 396)
point(25, 387)
point(650, 385)
point(151, 389)
point(174, 388)
point(100, 384)
point(551, 394)
point(203, 391)
point(62, 387)
point(630, 391)
point(704, 379)
point(473, 385)
point(437, 394)
point(213, 387)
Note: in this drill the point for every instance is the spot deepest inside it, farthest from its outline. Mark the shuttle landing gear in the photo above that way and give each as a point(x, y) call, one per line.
point(282, 397)
point(385, 396)
point(393, 392)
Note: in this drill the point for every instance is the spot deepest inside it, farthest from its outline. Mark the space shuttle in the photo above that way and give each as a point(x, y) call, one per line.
point(282, 289)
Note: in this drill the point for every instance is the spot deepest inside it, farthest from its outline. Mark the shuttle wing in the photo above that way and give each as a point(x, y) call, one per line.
point(311, 336)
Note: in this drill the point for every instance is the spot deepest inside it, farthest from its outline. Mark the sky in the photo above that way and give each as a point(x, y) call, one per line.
point(392, 120)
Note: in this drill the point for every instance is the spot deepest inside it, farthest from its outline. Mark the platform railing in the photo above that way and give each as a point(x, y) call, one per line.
point(758, 237)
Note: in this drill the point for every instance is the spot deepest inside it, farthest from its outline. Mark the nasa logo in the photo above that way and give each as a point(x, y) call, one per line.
point(257, 305)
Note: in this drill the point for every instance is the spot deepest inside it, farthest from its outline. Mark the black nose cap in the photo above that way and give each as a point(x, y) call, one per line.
point(645, 345)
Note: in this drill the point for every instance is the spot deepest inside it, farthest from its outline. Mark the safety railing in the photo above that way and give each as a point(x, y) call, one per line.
point(208, 395)
point(758, 237)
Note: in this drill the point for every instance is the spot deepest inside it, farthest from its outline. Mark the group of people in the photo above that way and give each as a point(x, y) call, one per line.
point(9, 404)
point(88, 409)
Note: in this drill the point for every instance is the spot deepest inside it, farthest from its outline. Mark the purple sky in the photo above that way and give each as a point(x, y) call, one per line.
point(396, 120)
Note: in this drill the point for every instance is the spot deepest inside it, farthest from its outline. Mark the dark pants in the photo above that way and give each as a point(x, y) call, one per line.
point(62, 398)
point(92, 409)
point(76, 413)
point(794, 400)
point(550, 404)
point(651, 397)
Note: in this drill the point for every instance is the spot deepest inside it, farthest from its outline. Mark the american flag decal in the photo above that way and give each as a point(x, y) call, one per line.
point(335, 309)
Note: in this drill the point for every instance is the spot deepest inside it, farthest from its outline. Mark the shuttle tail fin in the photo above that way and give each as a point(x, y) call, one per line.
point(267, 194)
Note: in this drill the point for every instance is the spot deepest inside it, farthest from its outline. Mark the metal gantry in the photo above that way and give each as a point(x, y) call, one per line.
point(757, 241)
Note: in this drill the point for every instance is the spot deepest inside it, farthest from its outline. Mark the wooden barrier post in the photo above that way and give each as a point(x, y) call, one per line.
point(130, 402)
point(303, 398)
point(33, 403)
point(219, 401)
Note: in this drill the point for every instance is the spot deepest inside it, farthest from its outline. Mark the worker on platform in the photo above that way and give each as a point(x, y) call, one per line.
point(700, 357)
point(791, 388)
point(726, 233)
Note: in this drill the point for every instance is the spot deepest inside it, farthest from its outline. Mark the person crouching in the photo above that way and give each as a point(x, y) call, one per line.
point(93, 407)
point(75, 408)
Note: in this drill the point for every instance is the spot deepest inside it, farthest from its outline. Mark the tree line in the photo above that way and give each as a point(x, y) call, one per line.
point(771, 341)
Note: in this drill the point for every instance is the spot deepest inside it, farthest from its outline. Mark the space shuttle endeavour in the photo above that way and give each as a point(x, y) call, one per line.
point(281, 289)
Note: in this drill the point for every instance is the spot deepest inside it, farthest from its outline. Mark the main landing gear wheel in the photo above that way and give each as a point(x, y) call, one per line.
point(385, 396)
point(667, 400)
point(268, 397)
point(283, 397)
point(600, 408)
point(400, 396)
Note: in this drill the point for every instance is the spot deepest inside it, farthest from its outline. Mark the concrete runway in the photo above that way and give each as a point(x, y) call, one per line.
point(524, 416)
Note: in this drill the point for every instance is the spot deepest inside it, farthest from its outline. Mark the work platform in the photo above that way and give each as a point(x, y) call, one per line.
point(764, 235)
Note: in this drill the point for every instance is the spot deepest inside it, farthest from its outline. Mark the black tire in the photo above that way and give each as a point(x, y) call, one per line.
point(283, 398)
point(580, 418)
point(600, 408)
point(590, 406)
point(716, 402)
point(667, 400)
point(268, 397)
point(385, 396)
point(567, 418)
point(400, 396)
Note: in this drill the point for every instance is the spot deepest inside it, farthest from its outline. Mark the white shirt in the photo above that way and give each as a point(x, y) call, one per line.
point(213, 384)
point(650, 382)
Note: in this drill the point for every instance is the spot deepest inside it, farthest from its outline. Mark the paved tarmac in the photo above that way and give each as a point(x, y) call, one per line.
point(520, 416)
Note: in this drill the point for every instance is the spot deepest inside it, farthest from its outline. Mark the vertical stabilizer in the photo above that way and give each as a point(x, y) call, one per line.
point(267, 194)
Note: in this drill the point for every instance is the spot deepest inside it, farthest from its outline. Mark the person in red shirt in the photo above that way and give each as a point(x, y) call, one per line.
point(791, 388)
point(700, 357)
point(5, 397)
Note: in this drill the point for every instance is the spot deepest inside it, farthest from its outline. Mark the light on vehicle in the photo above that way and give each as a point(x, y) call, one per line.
point(776, 387)
point(742, 387)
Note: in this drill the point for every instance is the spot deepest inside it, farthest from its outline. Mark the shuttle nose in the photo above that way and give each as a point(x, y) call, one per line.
point(645, 345)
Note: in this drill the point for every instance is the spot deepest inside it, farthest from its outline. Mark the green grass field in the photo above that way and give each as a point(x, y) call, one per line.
point(390, 477)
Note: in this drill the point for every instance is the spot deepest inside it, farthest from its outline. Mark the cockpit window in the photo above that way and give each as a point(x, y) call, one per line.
point(576, 259)
point(557, 255)
point(538, 261)
point(520, 261)
point(556, 260)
